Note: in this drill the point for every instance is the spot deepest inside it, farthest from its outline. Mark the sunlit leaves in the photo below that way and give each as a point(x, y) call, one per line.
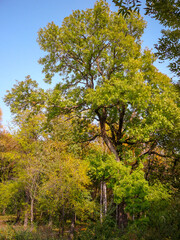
point(25, 95)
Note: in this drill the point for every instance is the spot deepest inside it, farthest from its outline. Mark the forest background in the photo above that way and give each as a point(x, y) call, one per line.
point(97, 154)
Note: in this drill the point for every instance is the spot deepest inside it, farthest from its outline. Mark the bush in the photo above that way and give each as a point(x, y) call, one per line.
point(100, 231)
point(10, 233)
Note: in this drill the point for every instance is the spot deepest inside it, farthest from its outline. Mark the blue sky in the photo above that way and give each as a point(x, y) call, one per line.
point(20, 21)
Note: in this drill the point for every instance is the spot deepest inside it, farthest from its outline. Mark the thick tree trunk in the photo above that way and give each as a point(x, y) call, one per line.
point(108, 142)
point(121, 216)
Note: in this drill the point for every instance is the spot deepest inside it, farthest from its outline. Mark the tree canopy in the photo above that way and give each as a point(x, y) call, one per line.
point(168, 14)
point(108, 78)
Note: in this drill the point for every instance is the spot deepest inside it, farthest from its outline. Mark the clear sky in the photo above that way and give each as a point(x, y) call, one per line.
point(20, 21)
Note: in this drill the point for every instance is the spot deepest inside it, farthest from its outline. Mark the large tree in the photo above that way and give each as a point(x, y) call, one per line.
point(108, 80)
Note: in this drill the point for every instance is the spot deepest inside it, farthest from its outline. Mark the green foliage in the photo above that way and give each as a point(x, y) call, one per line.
point(100, 231)
point(11, 196)
point(25, 95)
point(94, 35)
point(126, 7)
point(161, 223)
point(167, 12)
point(130, 187)
point(168, 49)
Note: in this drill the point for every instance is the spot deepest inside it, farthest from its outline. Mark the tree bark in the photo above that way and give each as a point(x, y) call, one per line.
point(102, 120)
point(101, 202)
point(32, 211)
point(18, 215)
point(61, 221)
point(26, 219)
point(72, 228)
point(26, 212)
point(109, 143)
point(4, 211)
point(104, 198)
point(50, 222)
point(122, 219)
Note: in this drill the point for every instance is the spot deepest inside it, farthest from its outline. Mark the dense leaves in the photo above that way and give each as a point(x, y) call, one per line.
point(168, 14)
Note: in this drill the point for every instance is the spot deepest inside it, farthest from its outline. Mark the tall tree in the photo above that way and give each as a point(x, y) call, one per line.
point(108, 79)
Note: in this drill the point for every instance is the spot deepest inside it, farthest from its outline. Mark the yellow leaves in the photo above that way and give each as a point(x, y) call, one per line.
point(65, 178)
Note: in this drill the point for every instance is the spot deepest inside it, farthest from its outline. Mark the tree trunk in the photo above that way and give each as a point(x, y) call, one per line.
point(26, 218)
point(104, 198)
point(117, 213)
point(101, 202)
point(122, 219)
point(4, 211)
point(32, 211)
point(102, 119)
point(61, 221)
point(26, 212)
point(71, 235)
point(50, 222)
point(18, 215)
point(109, 143)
